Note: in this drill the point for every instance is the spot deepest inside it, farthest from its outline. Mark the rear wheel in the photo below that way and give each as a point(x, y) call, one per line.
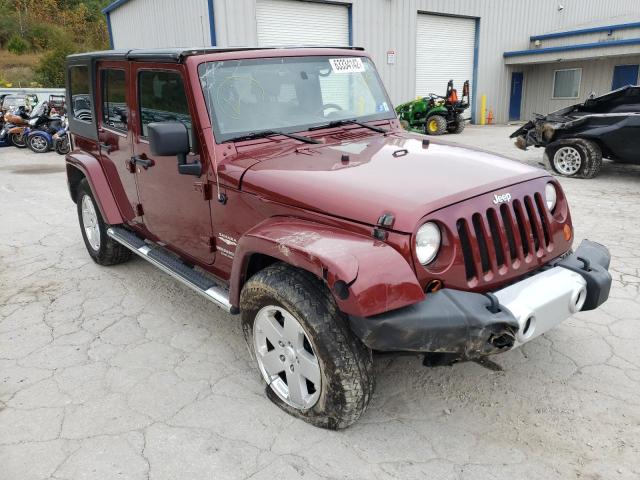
point(38, 144)
point(17, 140)
point(102, 248)
point(436, 125)
point(575, 158)
point(457, 126)
point(63, 147)
point(314, 368)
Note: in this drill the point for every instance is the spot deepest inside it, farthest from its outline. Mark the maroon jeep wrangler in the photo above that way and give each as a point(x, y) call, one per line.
point(278, 184)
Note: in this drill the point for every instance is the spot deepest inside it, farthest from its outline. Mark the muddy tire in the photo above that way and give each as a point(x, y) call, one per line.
point(575, 157)
point(457, 126)
point(102, 248)
point(435, 125)
point(282, 299)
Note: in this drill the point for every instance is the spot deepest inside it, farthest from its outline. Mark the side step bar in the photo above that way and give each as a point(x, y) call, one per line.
point(173, 266)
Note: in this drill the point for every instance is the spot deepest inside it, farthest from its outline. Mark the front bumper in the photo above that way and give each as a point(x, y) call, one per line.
point(470, 325)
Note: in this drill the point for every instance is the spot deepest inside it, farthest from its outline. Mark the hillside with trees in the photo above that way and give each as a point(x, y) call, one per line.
point(37, 35)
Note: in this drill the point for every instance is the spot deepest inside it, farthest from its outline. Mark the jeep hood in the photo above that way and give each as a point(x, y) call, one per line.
point(394, 174)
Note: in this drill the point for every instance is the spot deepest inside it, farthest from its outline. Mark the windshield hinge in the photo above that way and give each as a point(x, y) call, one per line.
point(204, 188)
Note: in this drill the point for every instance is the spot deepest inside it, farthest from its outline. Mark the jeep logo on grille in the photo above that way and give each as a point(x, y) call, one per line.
point(504, 198)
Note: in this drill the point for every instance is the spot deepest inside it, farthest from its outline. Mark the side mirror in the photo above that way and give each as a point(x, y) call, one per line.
point(172, 138)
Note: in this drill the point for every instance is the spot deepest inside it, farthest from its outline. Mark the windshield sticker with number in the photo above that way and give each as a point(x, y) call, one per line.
point(346, 65)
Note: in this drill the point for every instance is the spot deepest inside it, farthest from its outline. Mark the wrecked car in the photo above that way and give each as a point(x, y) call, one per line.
point(278, 184)
point(576, 138)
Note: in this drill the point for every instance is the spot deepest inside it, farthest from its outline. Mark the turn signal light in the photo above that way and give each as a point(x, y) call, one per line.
point(567, 232)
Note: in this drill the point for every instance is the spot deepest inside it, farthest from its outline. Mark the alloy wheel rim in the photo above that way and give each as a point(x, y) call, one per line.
point(286, 358)
point(38, 143)
point(90, 223)
point(567, 160)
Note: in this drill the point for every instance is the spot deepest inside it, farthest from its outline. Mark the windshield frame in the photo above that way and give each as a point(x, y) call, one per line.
point(221, 137)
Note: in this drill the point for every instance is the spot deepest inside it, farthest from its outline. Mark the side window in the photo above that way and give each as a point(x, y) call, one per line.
point(162, 98)
point(114, 106)
point(80, 97)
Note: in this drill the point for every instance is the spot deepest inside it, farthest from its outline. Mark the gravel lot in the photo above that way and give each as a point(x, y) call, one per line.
point(123, 373)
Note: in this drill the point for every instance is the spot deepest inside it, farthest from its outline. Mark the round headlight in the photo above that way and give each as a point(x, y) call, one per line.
point(550, 195)
point(428, 241)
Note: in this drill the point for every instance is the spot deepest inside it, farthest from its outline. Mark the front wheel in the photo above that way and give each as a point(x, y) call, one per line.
point(314, 368)
point(38, 144)
point(17, 139)
point(436, 125)
point(575, 157)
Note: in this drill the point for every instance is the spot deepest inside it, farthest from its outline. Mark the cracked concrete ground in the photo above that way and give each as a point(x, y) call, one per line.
point(121, 372)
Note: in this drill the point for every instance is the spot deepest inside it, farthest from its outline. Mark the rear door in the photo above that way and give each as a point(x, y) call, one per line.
point(175, 210)
point(115, 137)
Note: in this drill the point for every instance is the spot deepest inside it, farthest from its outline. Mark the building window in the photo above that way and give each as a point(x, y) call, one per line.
point(80, 98)
point(114, 106)
point(566, 83)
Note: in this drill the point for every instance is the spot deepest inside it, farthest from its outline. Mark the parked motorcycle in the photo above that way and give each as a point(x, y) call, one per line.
point(61, 141)
point(39, 135)
point(14, 126)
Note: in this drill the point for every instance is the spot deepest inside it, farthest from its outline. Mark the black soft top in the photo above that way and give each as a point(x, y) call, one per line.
point(175, 55)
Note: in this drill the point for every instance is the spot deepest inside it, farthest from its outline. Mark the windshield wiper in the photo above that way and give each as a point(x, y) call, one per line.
point(269, 133)
point(346, 121)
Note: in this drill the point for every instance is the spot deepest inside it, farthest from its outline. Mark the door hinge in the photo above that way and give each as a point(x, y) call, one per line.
point(212, 244)
point(139, 210)
point(204, 188)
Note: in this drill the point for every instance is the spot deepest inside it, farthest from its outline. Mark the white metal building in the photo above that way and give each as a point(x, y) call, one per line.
point(524, 56)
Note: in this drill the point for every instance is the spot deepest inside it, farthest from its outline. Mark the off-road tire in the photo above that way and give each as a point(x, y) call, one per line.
point(345, 363)
point(457, 126)
point(110, 252)
point(439, 123)
point(17, 140)
point(590, 156)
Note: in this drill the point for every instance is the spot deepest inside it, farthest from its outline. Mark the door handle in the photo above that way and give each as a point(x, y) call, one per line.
point(105, 146)
point(145, 162)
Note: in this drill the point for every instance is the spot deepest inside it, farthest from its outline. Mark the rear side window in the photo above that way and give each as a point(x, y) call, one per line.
point(80, 96)
point(162, 98)
point(114, 106)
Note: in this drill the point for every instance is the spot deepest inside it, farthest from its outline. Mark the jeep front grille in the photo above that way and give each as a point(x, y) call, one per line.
point(503, 237)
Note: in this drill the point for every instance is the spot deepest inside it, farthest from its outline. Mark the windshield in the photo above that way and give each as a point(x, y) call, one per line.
point(290, 94)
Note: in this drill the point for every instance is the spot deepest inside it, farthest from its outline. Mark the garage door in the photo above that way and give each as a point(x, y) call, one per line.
point(292, 22)
point(444, 51)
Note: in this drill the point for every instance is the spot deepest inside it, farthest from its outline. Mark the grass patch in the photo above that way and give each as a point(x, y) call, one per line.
point(18, 70)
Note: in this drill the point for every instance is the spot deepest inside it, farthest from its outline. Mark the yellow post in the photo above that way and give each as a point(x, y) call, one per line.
point(483, 109)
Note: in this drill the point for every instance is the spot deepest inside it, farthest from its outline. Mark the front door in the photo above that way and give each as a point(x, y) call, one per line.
point(114, 135)
point(175, 210)
point(516, 96)
point(624, 75)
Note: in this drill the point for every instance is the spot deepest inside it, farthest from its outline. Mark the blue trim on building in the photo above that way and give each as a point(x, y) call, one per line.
point(212, 22)
point(474, 85)
point(112, 6)
point(568, 48)
point(350, 22)
point(109, 30)
point(582, 31)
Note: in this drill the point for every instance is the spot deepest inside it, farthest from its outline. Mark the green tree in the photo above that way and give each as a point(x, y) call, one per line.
point(50, 70)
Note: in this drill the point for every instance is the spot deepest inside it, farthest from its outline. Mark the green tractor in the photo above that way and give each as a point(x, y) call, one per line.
point(435, 114)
